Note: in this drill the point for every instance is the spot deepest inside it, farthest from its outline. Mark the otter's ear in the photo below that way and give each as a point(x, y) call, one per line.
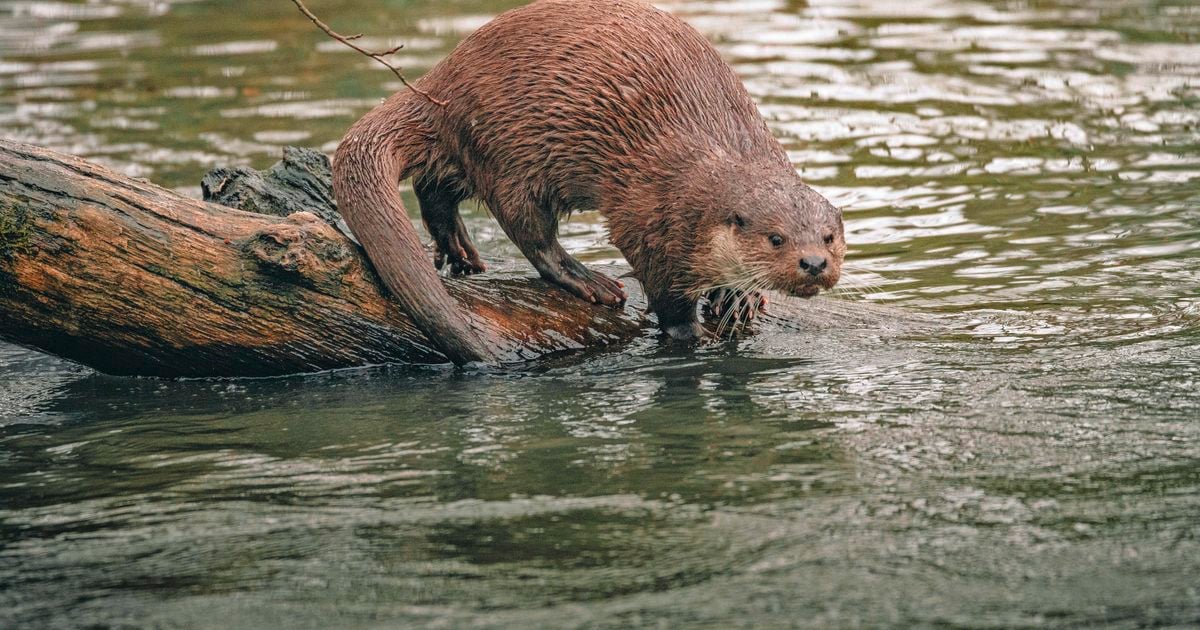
point(736, 219)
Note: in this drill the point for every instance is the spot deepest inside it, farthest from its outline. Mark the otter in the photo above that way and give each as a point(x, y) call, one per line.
point(572, 105)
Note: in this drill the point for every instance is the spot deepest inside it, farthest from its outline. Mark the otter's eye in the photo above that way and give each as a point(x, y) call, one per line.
point(829, 239)
point(776, 240)
point(738, 220)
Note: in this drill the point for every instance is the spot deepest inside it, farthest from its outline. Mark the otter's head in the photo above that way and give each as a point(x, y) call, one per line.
point(779, 235)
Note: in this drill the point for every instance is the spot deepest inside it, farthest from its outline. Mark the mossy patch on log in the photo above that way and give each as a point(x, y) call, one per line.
point(15, 232)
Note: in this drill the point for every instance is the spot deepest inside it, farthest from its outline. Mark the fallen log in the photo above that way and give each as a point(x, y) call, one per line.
point(130, 278)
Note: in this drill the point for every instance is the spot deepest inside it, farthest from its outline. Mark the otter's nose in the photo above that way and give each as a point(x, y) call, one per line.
point(814, 264)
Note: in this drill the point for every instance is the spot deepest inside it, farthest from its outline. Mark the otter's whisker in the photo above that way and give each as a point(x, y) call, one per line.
point(730, 316)
point(752, 284)
point(725, 317)
point(854, 285)
point(756, 290)
point(732, 280)
point(865, 289)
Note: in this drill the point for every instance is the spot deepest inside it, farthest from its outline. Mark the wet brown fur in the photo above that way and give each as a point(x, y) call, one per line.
point(565, 105)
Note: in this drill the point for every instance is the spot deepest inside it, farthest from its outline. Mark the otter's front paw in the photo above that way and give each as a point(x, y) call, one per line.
point(730, 307)
point(592, 286)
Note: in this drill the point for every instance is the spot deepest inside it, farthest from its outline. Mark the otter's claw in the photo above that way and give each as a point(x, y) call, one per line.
point(456, 248)
point(734, 307)
point(589, 285)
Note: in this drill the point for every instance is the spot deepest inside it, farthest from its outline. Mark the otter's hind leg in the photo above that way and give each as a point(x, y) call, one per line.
point(439, 209)
point(535, 231)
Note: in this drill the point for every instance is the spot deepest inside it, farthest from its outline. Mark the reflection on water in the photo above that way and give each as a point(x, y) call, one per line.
point(1028, 172)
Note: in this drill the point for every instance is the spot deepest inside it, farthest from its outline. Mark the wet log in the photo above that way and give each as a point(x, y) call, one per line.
point(130, 278)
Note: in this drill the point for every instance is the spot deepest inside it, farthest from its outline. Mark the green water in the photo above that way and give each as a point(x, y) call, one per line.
point(1025, 172)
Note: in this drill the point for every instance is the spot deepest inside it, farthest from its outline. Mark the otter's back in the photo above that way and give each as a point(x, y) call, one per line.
point(581, 92)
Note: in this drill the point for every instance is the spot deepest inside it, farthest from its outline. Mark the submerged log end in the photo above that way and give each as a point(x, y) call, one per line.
point(300, 182)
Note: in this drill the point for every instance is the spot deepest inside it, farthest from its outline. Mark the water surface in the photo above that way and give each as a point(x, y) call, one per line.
point(1025, 173)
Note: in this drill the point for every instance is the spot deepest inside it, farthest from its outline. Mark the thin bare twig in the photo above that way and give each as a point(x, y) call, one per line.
point(377, 56)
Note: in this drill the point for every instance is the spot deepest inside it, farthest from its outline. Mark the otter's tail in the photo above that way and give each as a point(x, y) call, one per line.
point(379, 150)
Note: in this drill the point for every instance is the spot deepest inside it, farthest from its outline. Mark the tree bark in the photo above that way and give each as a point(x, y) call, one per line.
point(130, 278)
